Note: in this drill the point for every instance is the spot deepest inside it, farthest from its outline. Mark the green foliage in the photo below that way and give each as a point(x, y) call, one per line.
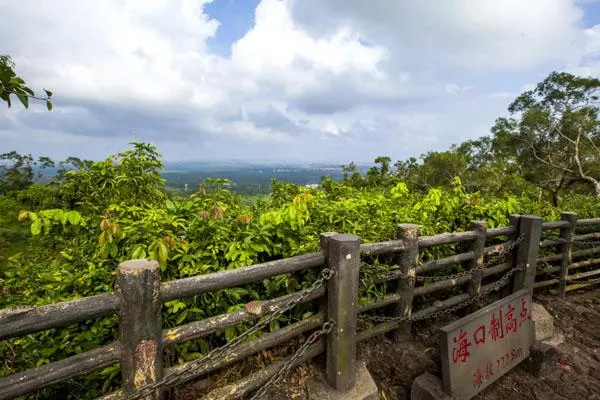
point(11, 84)
point(553, 134)
point(65, 240)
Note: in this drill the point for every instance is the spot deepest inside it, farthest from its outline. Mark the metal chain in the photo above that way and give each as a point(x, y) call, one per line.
point(179, 376)
point(394, 272)
point(289, 364)
point(447, 311)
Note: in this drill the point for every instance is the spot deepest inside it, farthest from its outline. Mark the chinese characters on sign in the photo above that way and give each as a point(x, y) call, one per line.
point(483, 346)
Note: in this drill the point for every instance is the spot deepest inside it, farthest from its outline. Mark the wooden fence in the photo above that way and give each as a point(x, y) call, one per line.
point(139, 296)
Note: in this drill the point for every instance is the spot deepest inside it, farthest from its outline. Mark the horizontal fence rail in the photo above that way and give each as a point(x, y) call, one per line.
point(196, 285)
point(489, 261)
point(23, 320)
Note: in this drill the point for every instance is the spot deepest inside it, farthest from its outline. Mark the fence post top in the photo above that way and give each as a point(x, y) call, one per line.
point(568, 213)
point(138, 265)
point(479, 222)
point(344, 237)
point(408, 226)
point(531, 217)
point(327, 234)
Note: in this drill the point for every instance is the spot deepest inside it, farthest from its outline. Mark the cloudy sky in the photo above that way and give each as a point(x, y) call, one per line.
point(334, 80)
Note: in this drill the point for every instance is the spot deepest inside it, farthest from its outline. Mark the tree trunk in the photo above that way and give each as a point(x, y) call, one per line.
point(594, 183)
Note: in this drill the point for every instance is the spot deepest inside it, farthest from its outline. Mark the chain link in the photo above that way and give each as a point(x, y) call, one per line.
point(179, 376)
point(289, 364)
point(394, 272)
point(447, 311)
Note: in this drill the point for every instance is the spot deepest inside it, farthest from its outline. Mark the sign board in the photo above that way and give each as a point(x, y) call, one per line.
point(481, 347)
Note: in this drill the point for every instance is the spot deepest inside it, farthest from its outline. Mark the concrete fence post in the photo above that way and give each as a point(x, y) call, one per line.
point(407, 260)
point(140, 327)
point(530, 226)
point(343, 258)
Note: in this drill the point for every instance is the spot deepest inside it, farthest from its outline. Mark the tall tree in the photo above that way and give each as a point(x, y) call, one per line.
point(553, 133)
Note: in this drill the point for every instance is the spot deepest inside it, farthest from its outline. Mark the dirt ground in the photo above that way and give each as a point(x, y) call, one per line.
point(576, 376)
point(393, 367)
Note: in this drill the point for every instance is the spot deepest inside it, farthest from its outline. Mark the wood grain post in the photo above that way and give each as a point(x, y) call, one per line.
point(342, 307)
point(323, 301)
point(527, 251)
point(407, 260)
point(566, 248)
point(477, 246)
point(511, 258)
point(140, 326)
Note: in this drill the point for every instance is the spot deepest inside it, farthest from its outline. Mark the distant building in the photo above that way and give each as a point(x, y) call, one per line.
point(312, 185)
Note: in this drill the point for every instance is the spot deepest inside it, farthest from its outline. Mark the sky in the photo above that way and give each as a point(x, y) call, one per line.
point(297, 80)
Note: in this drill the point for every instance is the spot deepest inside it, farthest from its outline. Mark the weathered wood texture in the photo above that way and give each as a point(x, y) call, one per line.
point(583, 275)
point(388, 299)
point(549, 282)
point(23, 320)
point(555, 225)
point(441, 285)
point(389, 247)
point(565, 248)
point(495, 232)
point(196, 285)
point(409, 233)
point(527, 251)
point(587, 236)
point(343, 254)
point(255, 380)
point(585, 252)
point(37, 378)
point(198, 329)
point(246, 349)
point(587, 222)
point(477, 246)
point(496, 269)
point(585, 263)
point(551, 242)
point(581, 285)
point(434, 265)
point(140, 327)
point(445, 238)
point(550, 258)
point(497, 248)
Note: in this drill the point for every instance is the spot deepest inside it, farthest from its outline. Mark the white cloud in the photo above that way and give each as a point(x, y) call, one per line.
point(310, 79)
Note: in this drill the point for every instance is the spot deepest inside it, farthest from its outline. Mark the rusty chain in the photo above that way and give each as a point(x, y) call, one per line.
point(394, 272)
point(181, 375)
point(447, 311)
point(289, 364)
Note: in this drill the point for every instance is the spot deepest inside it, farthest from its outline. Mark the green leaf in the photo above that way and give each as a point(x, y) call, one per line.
point(48, 93)
point(163, 253)
point(74, 217)
point(274, 326)
point(36, 227)
point(24, 99)
point(229, 333)
point(49, 105)
point(170, 206)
